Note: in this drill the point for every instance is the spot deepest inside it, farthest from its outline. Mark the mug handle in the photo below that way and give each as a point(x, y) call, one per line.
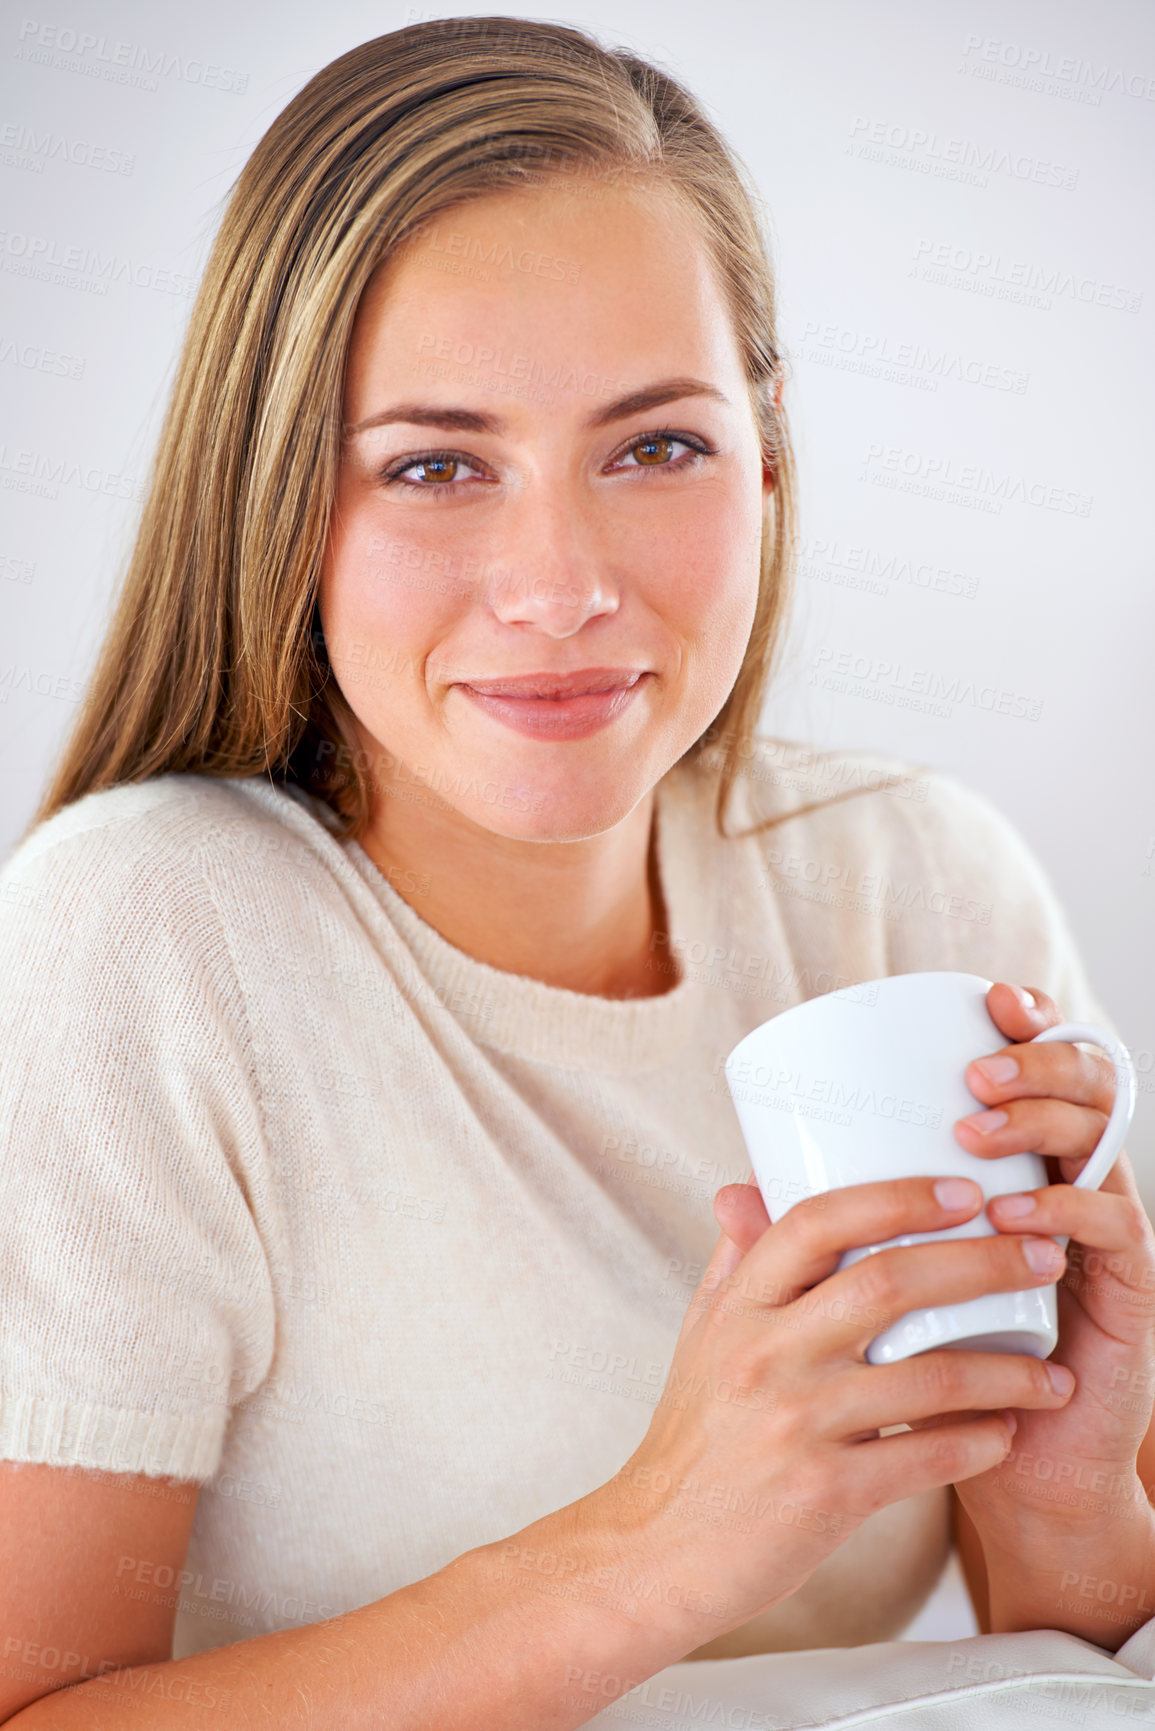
point(1117, 1125)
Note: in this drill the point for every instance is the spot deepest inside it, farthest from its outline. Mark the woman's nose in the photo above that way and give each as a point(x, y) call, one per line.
point(553, 577)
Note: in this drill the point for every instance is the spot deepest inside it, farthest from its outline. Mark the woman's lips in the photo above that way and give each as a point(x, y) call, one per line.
point(573, 716)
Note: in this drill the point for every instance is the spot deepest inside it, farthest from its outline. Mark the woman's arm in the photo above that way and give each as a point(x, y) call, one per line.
point(969, 1546)
point(1099, 1585)
point(1105, 1601)
point(69, 1536)
point(534, 1631)
point(1102, 1591)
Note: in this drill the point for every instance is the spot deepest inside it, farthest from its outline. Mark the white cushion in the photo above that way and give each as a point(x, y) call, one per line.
point(1038, 1678)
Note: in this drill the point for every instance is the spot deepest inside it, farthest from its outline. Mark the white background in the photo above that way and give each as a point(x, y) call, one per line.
point(908, 155)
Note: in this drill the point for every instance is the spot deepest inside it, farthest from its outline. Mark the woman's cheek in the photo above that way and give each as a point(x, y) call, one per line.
point(384, 610)
point(705, 587)
point(396, 592)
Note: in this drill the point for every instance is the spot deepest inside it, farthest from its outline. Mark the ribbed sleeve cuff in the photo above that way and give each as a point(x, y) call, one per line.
point(112, 1439)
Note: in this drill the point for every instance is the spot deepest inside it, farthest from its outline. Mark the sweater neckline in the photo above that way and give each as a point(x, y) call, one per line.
point(553, 1024)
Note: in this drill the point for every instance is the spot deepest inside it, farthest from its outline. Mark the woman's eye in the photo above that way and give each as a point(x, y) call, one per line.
point(439, 471)
point(653, 451)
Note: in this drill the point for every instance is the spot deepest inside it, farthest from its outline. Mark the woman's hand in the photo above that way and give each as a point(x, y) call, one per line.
point(1073, 1467)
point(764, 1452)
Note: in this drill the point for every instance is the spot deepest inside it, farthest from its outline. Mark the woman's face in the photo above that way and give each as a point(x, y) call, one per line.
point(561, 487)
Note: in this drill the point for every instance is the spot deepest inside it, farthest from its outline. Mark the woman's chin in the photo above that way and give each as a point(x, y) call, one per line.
point(555, 807)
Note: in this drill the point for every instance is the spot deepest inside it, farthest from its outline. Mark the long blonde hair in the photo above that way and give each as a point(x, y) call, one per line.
point(214, 662)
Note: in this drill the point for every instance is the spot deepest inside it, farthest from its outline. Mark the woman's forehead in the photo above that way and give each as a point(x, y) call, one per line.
point(628, 277)
point(488, 232)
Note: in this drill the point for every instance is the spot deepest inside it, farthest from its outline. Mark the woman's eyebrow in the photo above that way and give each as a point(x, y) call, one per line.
point(477, 421)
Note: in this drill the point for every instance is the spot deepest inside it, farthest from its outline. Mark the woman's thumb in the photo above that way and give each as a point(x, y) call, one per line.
point(741, 1213)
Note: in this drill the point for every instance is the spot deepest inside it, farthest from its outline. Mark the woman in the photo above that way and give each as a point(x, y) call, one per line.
point(371, 962)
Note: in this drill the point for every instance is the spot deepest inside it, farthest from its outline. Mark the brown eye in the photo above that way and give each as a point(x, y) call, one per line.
point(437, 472)
point(653, 451)
point(656, 451)
point(437, 468)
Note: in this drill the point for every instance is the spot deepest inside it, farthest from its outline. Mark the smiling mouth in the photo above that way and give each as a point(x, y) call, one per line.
point(558, 706)
point(556, 687)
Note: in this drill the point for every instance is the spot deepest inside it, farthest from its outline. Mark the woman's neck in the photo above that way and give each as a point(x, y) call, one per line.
point(576, 914)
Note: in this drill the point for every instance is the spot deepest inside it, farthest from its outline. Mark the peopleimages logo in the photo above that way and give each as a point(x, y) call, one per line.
point(923, 688)
point(967, 483)
point(786, 1085)
point(989, 273)
point(69, 50)
point(841, 885)
point(22, 146)
point(1034, 65)
point(457, 244)
point(868, 569)
point(83, 267)
point(40, 472)
point(881, 356)
point(925, 151)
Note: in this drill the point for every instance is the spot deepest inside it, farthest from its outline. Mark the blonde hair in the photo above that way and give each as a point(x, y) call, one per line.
point(214, 662)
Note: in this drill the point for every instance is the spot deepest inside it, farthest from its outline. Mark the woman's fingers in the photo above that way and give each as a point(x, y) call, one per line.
point(1042, 1126)
point(1020, 1012)
point(1058, 1069)
point(718, 1273)
point(1099, 1219)
point(1111, 1262)
point(741, 1213)
point(872, 1294)
point(806, 1244)
point(954, 1383)
point(856, 1303)
point(1052, 1099)
point(940, 1454)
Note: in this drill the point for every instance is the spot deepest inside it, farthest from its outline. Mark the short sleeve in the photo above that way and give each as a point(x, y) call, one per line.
point(135, 1296)
point(983, 902)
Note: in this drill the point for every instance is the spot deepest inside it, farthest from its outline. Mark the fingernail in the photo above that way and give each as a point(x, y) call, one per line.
point(985, 1122)
point(1001, 1069)
point(1061, 1379)
point(1015, 1206)
point(1042, 1254)
point(1026, 999)
point(955, 1193)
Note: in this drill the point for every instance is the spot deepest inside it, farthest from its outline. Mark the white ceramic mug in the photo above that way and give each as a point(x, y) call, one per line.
point(866, 1083)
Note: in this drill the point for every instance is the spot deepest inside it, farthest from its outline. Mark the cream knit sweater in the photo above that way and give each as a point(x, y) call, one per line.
point(386, 1247)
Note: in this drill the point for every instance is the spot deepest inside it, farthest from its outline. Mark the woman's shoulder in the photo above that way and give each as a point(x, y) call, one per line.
point(849, 790)
point(852, 840)
point(171, 817)
point(138, 853)
point(902, 828)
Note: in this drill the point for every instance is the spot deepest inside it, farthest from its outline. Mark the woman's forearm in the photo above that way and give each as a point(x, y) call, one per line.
point(543, 1629)
point(1099, 1585)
